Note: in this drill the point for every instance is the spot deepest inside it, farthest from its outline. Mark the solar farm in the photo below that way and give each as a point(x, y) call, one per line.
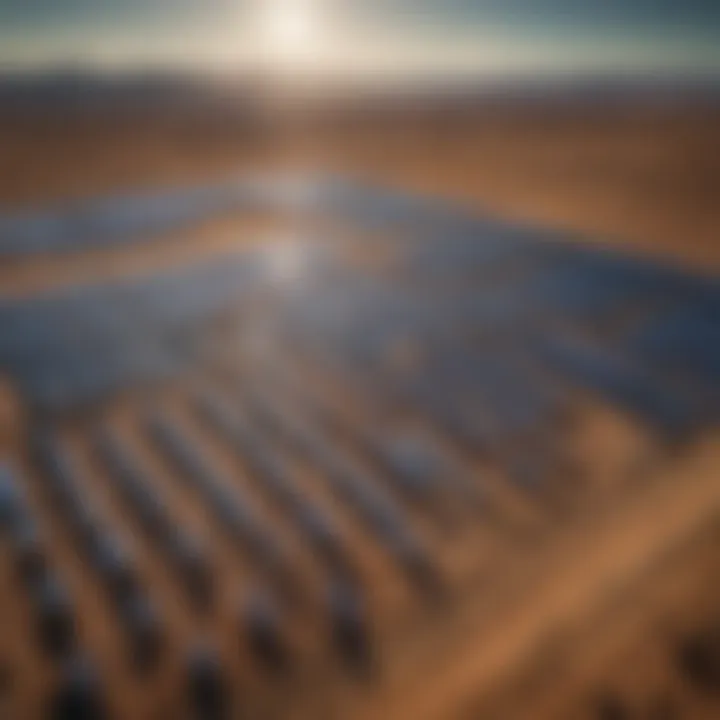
point(397, 460)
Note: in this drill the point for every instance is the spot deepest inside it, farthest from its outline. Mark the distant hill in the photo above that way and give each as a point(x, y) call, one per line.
point(70, 91)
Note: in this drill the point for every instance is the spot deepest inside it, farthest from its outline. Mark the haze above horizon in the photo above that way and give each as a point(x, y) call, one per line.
point(376, 40)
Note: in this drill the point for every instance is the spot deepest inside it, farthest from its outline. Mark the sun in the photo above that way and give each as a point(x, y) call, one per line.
point(290, 32)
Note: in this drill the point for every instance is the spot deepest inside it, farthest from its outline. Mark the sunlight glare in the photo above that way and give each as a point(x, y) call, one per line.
point(290, 31)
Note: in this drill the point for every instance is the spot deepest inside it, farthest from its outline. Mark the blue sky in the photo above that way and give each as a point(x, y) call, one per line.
point(364, 36)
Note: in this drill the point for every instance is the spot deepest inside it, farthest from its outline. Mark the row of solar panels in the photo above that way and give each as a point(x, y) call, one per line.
point(71, 346)
point(137, 217)
point(79, 692)
point(111, 564)
point(82, 344)
point(413, 476)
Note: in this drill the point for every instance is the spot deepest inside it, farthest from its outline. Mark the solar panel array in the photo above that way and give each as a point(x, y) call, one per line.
point(277, 475)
